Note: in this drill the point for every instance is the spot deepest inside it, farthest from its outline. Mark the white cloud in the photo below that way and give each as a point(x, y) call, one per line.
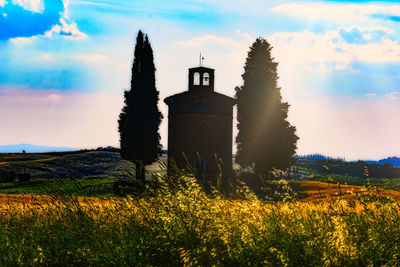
point(90, 58)
point(66, 8)
point(210, 39)
point(45, 57)
point(54, 97)
point(356, 34)
point(68, 31)
point(394, 95)
point(337, 12)
point(3, 3)
point(23, 40)
point(31, 5)
point(335, 50)
point(65, 29)
point(62, 30)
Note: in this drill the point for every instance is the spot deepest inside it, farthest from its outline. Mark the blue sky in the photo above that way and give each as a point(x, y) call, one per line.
point(65, 64)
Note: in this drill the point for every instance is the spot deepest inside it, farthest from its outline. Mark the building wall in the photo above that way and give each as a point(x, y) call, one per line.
point(202, 138)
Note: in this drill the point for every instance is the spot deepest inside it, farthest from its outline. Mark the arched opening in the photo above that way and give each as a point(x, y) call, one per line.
point(196, 78)
point(206, 79)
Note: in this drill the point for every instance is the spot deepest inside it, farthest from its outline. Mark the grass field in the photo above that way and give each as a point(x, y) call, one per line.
point(315, 220)
point(82, 187)
point(178, 224)
point(92, 164)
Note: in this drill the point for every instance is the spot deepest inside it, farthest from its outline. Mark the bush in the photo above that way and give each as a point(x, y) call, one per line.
point(24, 177)
point(125, 187)
point(7, 177)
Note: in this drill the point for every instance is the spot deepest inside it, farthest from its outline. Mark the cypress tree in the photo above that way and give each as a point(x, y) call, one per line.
point(140, 118)
point(265, 139)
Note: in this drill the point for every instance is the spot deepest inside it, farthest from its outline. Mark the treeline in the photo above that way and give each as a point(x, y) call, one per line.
point(319, 156)
point(355, 168)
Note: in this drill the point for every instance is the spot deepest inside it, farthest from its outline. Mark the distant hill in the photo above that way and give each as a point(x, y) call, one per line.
point(395, 161)
point(33, 148)
point(101, 163)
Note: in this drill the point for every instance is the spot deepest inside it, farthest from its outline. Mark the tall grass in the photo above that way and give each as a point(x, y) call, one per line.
point(177, 223)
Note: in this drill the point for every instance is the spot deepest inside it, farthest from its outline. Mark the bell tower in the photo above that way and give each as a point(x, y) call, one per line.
point(200, 128)
point(201, 78)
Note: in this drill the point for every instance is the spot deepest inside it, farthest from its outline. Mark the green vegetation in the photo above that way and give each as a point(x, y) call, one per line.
point(140, 118)
point(95, 169)
point(265, 139)
point(353, 168)
point(385, 183)
point(350, 173)
point(91, 164)
point(176, 223)
point(82, 187)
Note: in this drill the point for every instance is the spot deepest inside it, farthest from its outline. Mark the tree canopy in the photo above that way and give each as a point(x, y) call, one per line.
point(140, 118)
point(265, 139)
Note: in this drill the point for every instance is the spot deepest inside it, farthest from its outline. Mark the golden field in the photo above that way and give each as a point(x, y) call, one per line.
point(177, 223)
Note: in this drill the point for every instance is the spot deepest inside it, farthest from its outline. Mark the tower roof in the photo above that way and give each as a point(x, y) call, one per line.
point(200, 101)
point(202, 68)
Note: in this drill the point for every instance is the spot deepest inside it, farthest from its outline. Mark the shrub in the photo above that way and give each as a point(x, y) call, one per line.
point(24, 177)
point(7, 177)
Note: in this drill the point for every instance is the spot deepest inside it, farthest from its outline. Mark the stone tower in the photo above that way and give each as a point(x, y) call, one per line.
point(200, 127)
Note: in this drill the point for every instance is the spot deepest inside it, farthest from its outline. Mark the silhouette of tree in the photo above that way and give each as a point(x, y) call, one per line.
point(265, 140)
point(140, 118)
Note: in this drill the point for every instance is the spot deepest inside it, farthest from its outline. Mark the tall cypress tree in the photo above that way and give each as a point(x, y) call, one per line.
point(265, 139)
point(140, 118)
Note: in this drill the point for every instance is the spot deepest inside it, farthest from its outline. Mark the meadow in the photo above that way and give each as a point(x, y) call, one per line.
point(314, 221)
point(177, 223)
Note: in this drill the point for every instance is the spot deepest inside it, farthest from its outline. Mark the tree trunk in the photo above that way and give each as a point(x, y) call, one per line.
point(140, 172)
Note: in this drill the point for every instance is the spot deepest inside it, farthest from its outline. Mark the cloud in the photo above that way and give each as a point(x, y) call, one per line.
point(211, 39)
point(21, 22)
point(62, 30)
point(358, 35)
point(43, 57)
point(23, 40)
point(65, 30)
point(394, 95)
point(337, 49)
point(66, 9)
point(338, 12)
point(54, 97)
point(90, 58)
point(31, 5)
point(3, 3)
point(38, 19)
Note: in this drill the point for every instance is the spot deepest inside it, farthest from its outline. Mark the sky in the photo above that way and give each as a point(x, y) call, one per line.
point(65, 64)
